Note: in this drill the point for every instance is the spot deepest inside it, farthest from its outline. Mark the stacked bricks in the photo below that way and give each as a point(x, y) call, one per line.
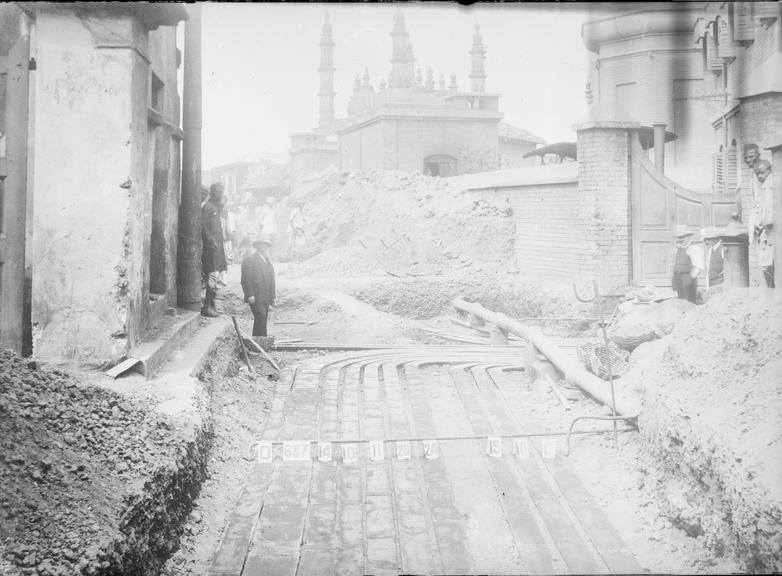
point(603, 215)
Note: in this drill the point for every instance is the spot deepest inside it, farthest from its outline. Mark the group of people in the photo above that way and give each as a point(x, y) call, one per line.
point(691, 261)
point(257, 279)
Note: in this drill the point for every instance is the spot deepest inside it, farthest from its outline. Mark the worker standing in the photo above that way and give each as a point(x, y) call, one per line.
point(258, 284)
point(688, 264)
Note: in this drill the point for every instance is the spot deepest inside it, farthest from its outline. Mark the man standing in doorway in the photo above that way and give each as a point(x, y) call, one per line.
point(258, 283)
point(751, 158)
point(213, 254)
point(688, 264)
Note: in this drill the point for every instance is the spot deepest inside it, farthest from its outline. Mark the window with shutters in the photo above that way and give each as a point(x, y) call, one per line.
point(743, 24)
point(718, 181)
point(731, 168)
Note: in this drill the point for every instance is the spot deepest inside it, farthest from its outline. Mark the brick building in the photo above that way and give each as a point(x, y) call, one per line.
point(410, 122)
point(683, 84)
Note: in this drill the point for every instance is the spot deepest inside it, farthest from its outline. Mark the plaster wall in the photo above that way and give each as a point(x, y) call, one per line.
point(661, 78)
point(83, 136)
point(94, 169)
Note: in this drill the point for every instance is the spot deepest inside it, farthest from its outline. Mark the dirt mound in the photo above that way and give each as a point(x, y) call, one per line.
point(390, 220)
point(73, 460)
point(516, 295)
point(711, 422)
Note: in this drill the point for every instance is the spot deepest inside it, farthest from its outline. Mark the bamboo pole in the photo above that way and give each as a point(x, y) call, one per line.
point(599, 389)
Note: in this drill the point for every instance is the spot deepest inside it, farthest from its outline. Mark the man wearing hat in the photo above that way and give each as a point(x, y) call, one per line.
point(258, 281)
point(688, 264)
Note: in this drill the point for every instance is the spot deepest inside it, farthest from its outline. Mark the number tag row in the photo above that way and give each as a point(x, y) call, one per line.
point(301, 451)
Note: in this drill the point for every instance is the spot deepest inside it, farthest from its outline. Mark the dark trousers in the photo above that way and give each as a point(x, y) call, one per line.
point(768, 274)
point(210, 281)
point(685, 285)
point(260, 314)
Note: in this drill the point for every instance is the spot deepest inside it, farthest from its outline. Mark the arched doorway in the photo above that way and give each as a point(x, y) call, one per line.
point(440, 165)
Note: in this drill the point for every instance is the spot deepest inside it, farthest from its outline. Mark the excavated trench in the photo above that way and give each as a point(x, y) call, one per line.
point(162, 505)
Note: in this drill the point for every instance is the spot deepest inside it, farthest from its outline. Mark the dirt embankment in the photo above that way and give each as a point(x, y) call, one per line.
point(711, 424)
point(361, 222)
point(93, 482)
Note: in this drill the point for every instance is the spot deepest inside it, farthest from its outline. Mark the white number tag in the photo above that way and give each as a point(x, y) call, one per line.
point(549, 448)
point(403, 450)
point(325, 451)
point(349, 453)
point(295, 451)
point(265, 454)
point(376, 450)
point(521, 447)
point(494, 446)
point(431, 450)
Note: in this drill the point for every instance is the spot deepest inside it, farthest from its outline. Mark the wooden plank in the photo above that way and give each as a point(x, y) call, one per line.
point(603, 535)
point(15, 196)
point(122, 367)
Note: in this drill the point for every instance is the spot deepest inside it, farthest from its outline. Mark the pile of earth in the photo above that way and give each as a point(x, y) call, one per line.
point(516, 295)
point(83, 472)
point(711, 424)
point(360, 222)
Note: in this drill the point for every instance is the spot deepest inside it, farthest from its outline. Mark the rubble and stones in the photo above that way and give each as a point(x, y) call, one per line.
point(94, 482)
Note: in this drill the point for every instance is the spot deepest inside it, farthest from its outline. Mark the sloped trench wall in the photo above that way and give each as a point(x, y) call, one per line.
point(711, 425)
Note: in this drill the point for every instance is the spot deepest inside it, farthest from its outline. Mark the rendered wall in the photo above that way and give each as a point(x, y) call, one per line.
point(92, 176)
point(403, 143)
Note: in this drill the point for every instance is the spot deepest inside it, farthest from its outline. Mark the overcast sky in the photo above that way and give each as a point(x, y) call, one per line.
point(260, 65)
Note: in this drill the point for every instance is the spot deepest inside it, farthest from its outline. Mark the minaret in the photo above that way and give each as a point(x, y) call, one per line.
point(401, 66)
point(478, 54)
point(326, 71)
point(429, 79)
point(452, 86)
point(441, 84)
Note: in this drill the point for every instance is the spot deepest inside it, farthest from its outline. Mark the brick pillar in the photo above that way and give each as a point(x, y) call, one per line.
point(604, 202)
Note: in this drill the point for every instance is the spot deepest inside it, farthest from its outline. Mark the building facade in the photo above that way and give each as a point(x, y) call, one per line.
point(103, 174)
point(410, 122)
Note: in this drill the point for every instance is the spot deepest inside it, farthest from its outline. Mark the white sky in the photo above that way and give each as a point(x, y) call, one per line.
point(260, 65)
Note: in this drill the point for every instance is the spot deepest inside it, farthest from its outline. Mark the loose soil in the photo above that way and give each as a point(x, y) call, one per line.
point(74, 461)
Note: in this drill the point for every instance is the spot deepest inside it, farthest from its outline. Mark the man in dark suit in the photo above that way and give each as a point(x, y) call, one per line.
point(258, 282)
point(213, 255)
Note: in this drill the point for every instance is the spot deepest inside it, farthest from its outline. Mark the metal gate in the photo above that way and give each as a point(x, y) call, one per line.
point(14, 101)
point(659, 204)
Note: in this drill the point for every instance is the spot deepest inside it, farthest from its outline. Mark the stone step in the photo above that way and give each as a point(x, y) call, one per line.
point(160, 344)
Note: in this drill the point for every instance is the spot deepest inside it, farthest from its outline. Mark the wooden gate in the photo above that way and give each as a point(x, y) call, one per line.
point(659, 204)
point(14, 100)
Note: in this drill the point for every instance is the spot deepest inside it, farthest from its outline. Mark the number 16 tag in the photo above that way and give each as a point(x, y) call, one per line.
point(494, 446)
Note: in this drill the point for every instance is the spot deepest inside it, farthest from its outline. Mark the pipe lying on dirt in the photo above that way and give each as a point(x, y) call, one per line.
point(626, 404)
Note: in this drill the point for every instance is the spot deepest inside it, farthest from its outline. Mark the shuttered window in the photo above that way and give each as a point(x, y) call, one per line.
point(743, 24)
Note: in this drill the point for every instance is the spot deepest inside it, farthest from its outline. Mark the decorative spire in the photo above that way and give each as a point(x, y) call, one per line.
point(429, 79)
point(357, 83)
point(452, 86)
point(441, 85)
point(382, 84)
point(326, 71)
point(366, 76)
point(478, 55)
point(419, 81)
point(401, 55)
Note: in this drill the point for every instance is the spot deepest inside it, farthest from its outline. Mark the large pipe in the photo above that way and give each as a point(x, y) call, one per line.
point(189, 251)
point(599, 389)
